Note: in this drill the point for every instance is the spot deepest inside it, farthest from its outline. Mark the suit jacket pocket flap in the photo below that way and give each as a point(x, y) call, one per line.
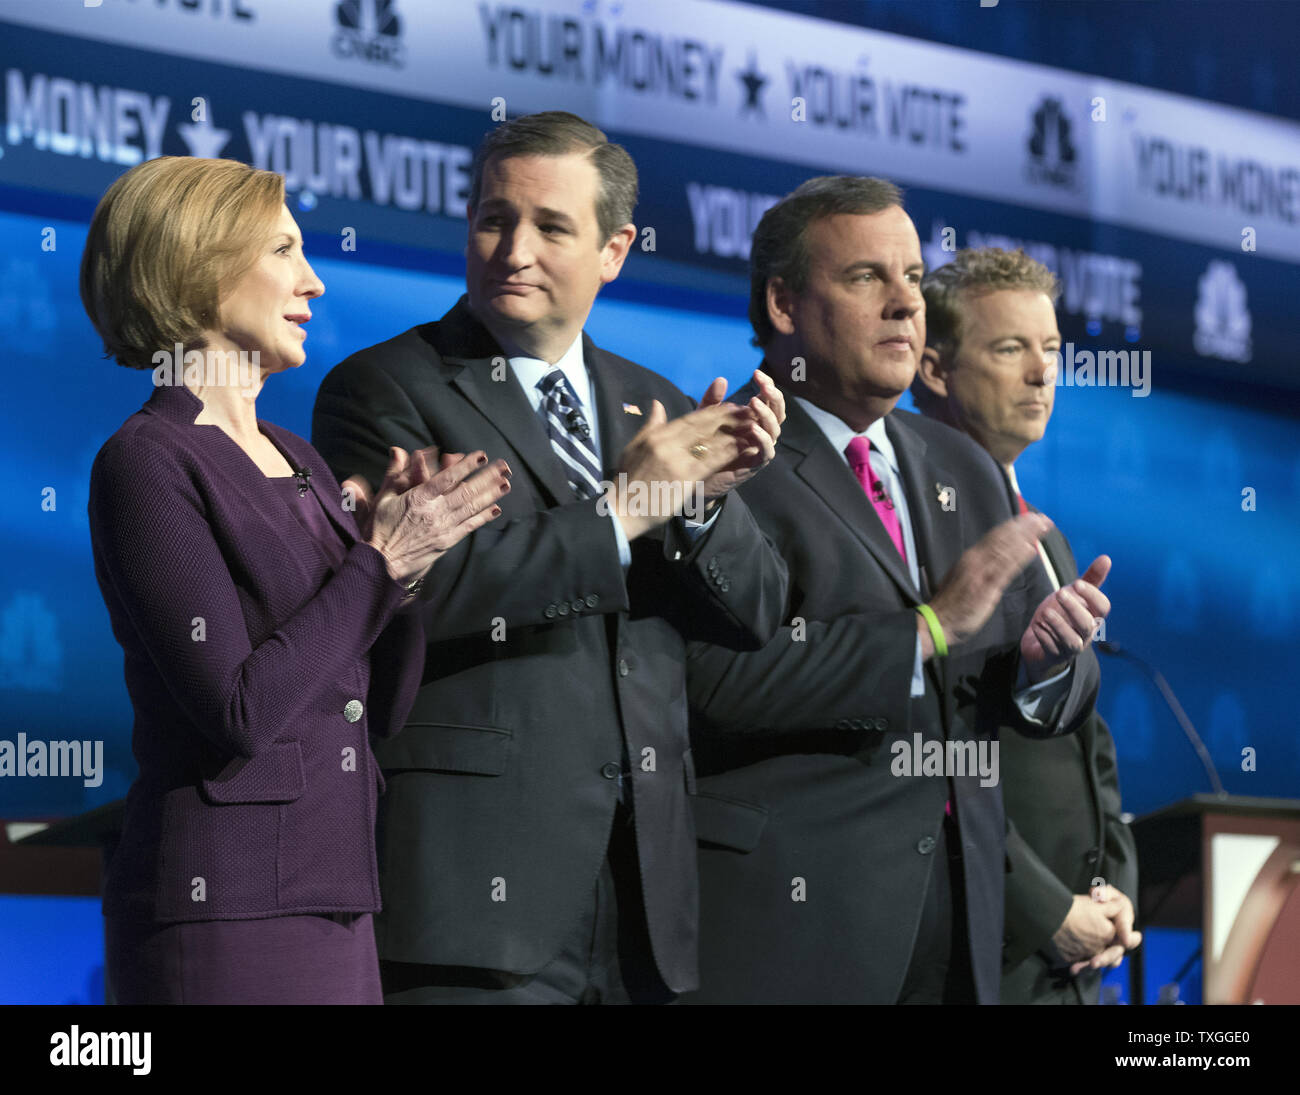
point(727, 821)
point(274, 775)
point(434, 747)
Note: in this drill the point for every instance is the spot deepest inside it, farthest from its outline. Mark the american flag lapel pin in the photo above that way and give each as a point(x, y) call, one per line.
point(631, 408)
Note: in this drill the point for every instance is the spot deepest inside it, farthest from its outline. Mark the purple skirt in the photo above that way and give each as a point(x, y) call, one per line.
point(279, 960)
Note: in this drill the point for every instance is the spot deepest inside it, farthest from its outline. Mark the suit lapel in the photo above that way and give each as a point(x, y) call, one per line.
point(323, 482)
point(1058, 551)
point(616, 425)
point(181, 406)
point(465, 345)
point(829, 477)
point(257, 495)
point(503, 403)
point(936, 546)
point(923, 482)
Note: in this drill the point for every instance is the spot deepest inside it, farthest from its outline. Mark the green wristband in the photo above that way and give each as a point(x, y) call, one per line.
point(936, 632)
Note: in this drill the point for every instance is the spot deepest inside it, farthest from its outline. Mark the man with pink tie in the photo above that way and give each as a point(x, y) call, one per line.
point(848, 807)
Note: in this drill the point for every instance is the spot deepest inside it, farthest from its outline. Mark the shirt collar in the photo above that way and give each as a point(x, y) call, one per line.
point(530, 370)
point(1015, 483)
point(839, 433)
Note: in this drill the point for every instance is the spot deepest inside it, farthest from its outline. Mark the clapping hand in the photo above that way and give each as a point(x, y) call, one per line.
point(755, 433)
point(714, 448)
point(420, 513)
point(1064, 623)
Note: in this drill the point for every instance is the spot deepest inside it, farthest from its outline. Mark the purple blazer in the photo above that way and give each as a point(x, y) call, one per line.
point(256, 673)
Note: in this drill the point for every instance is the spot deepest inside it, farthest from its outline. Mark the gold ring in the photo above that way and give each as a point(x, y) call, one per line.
point(699, 450)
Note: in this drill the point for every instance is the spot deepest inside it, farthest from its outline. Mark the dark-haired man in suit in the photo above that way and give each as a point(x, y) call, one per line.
point(989, 370)
point(848, 807)
point(535, 842)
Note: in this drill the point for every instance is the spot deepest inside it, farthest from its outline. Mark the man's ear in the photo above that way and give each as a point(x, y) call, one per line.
point(933, 373)
point(780, 306)
point(614, 253)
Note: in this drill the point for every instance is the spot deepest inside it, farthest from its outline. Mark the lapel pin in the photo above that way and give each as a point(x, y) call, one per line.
point(631, 408)
point(947, 497)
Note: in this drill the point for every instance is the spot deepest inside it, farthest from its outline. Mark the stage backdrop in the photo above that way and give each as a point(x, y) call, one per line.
point(1172, 223)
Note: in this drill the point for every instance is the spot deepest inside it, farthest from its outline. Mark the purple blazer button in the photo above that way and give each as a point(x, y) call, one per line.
point(352, 710)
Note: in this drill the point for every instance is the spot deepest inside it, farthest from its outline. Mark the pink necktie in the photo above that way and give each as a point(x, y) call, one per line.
point(859, 460)
point(858, 452)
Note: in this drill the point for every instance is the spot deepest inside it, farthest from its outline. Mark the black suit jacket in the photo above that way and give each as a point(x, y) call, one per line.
point(547, 666)
point(793, 742)
point(1063, 830)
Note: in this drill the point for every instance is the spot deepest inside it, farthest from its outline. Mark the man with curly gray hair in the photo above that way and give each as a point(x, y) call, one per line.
point(989, 369)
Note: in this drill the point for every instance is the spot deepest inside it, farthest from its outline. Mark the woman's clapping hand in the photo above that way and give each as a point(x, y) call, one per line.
point(426, 505)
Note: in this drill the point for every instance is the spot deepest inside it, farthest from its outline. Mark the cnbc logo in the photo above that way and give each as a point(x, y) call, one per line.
point(1221, 315)
point(1053, 158)
point(369, 30)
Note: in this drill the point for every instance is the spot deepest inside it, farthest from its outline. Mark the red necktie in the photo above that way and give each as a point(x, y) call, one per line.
point(1020, 499)
point(858, 452)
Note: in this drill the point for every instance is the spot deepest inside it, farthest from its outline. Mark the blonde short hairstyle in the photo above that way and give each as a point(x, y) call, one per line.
point(167, 242)
point(974, 271)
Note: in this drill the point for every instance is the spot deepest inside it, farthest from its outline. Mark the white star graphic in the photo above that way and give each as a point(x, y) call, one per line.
point(204, 139)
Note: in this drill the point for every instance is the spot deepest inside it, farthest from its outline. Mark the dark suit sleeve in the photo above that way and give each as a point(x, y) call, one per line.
point(727, 587)
point(734, 552)
point(812, 675)
point(1085, 676)
point(1037, 902)
point(1121, 866)
point(157, 553)
point(513, 573)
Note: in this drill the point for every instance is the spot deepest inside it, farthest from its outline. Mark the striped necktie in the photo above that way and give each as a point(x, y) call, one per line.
point(570, 435)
